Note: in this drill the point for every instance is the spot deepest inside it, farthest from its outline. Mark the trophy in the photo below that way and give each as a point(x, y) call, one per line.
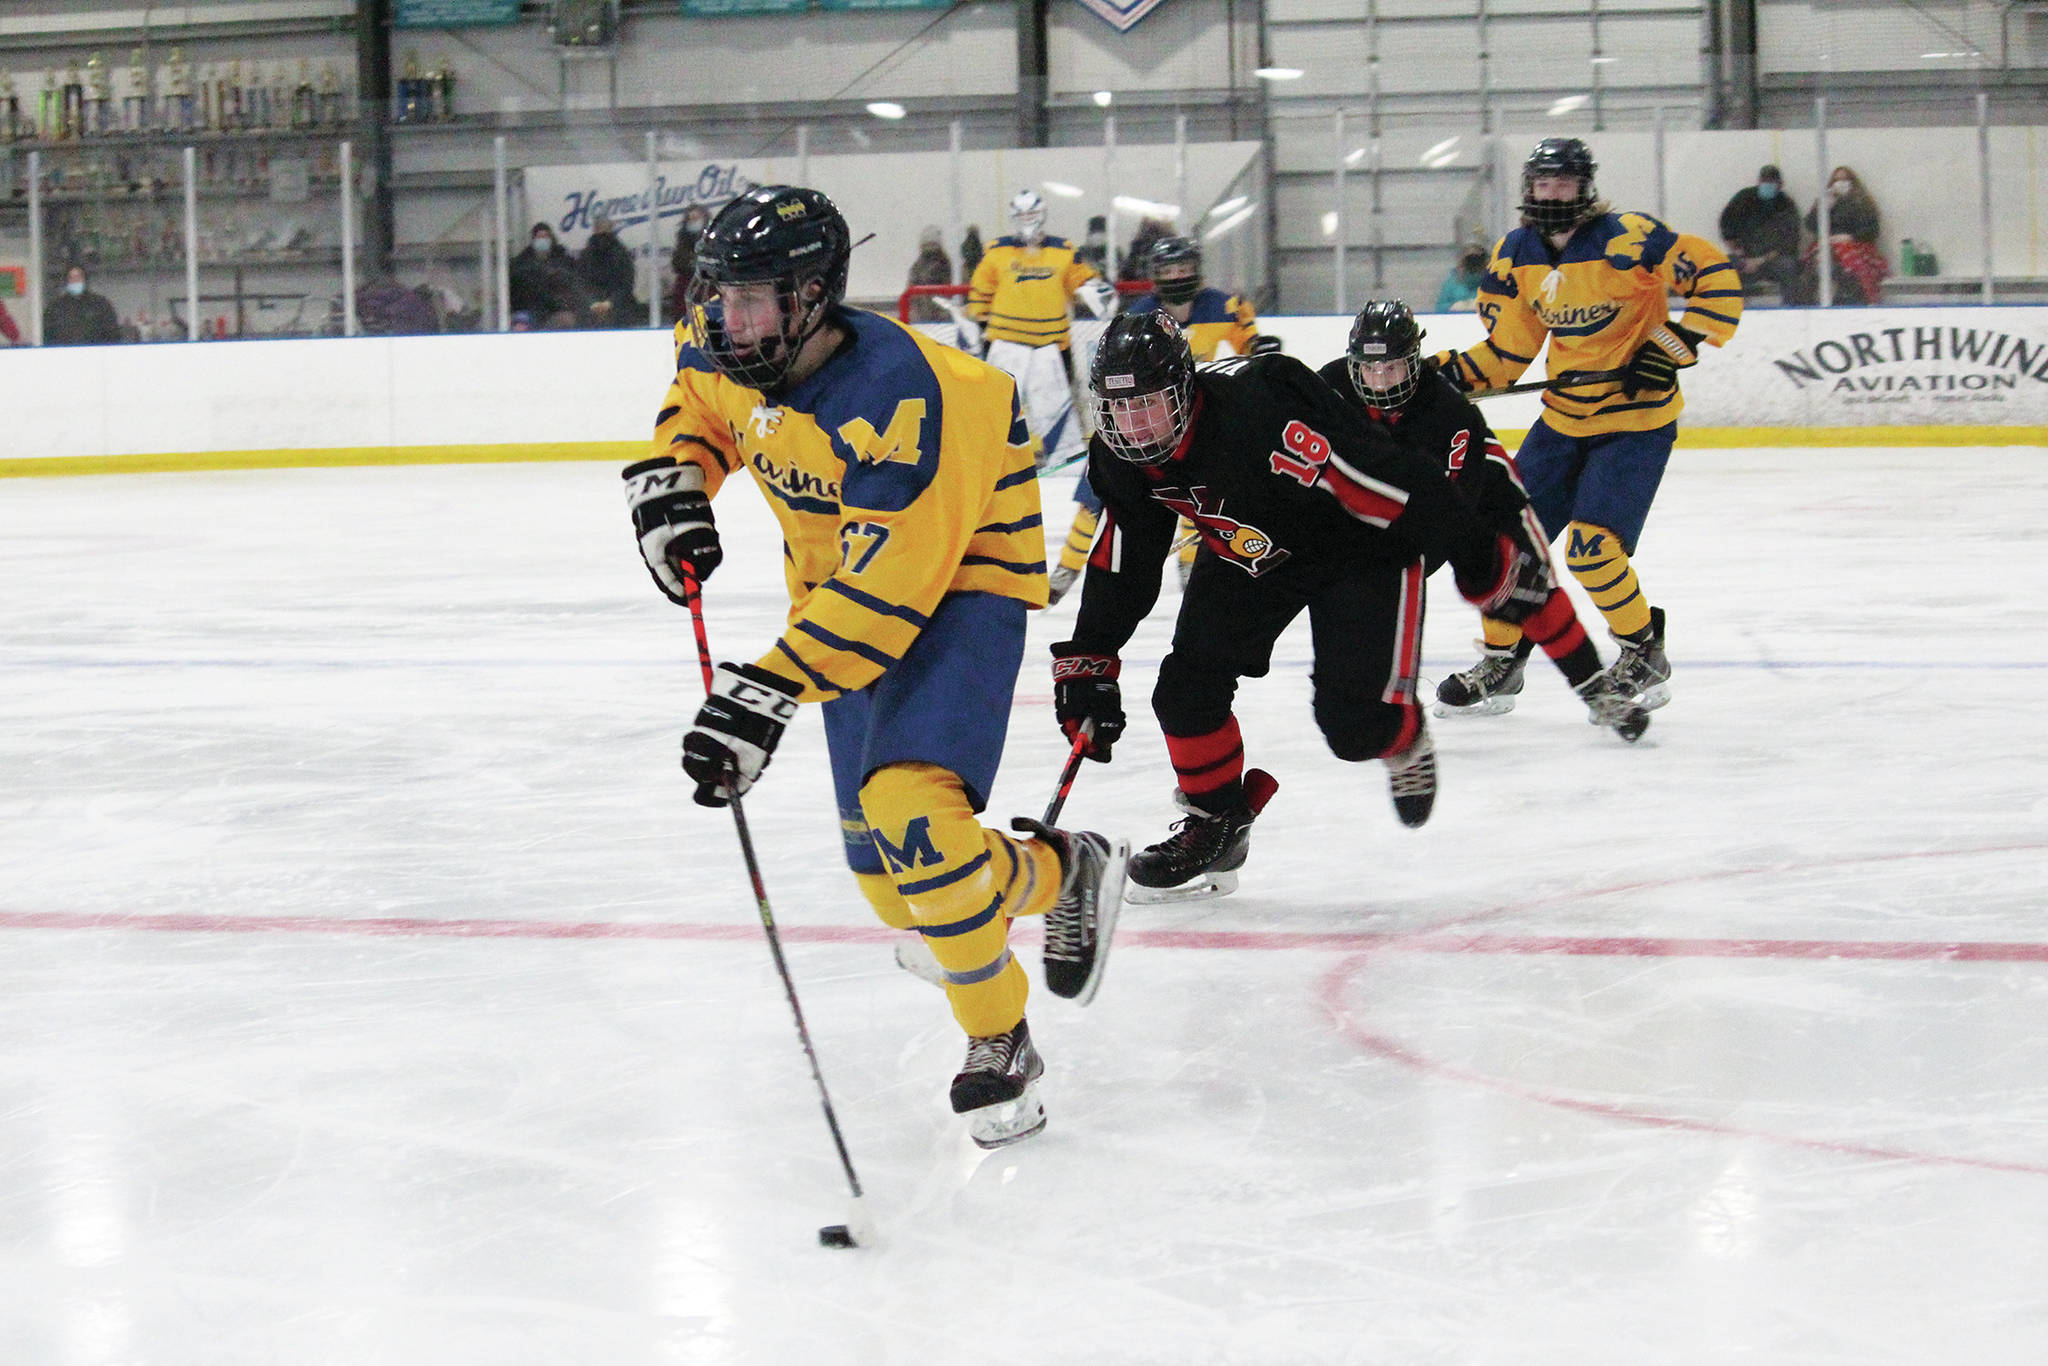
point(10, 109)
point(99, 96)
point(305, 108)
point(178, 111)
point(135, 104)
point(444, 90)
point(71, 110)
point(330, 95)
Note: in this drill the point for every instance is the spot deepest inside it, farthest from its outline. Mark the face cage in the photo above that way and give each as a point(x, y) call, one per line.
point(1179, 291)
point(1555, 215)
point(1030, 224)
point(766, 364)
point(1180, 411)
point(1389, 399)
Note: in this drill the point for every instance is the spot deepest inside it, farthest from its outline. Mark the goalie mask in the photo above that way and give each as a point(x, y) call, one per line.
point(1027, 217)
point(1384, 354)
point(1143, 387)
point(1176, 266)
point(770, 269)
point(1555, 158)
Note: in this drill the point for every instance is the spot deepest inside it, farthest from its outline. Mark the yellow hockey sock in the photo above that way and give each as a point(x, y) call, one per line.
point(962, 883)
point(1080, 539)
point(1596, 558)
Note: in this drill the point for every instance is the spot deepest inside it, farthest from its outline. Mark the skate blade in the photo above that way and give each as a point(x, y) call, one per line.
point(914, 956)
point(1011, 1121)
point(1210, 884)
point(1654, 696)
point(1491, 706)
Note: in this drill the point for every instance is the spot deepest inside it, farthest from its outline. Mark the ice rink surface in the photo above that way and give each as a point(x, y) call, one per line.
point(370, 991)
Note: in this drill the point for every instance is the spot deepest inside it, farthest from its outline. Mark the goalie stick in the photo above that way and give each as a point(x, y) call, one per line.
point(856, 1228)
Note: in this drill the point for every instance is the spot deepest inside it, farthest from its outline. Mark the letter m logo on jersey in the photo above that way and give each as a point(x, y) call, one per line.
point(1584, 547)
point(917, 849)
point(900, 441)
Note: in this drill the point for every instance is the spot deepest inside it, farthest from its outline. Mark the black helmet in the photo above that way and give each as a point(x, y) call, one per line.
point(1176, 251)
point(1142, 355)
point(1384, 330)
point(1558, 157)
point(774, 234)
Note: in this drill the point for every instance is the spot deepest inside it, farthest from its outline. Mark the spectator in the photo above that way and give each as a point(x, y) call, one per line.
point(386, 308)
point(607, 270)
point(1094, 249)
point(79, 317)
point(7, 327)
point(1139, 261)
point(1460, 292)
point(932, 267)
point(970, 251)
point(1857, 264)
point(544, 286)
point(683, 263)
point(1760, 227)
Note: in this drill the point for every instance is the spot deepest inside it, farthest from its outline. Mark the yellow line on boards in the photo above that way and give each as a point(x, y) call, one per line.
point(507, 453)
point(1766, 437)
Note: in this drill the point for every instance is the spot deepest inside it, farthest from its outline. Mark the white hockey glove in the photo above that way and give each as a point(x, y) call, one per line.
point(1099, 297)
point(1522, 580)
point(736, 731)
point(672, 521)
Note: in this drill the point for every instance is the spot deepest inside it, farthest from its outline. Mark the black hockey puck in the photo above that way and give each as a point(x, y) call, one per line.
point(835, 1235)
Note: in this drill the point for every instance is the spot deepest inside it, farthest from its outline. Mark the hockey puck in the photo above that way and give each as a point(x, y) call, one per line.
point(836, 1235)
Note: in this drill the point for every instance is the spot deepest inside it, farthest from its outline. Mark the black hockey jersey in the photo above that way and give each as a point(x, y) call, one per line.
point(1448, 427)
point(1283, 481)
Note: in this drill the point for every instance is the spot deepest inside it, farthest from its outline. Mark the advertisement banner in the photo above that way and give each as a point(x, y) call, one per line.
point(453, 13)
point(1121, 15)
point(570, 198)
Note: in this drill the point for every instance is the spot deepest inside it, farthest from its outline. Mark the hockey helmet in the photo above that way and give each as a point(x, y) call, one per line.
point(1383, 334)
point(1027, 215)
point(1554, 157)
point(1143, 387)
point(783, 236)
point(1182, 256)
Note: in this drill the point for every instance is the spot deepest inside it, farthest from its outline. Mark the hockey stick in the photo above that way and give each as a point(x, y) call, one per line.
point(832, 1235)
point(1570, 379)
point(1067, 774)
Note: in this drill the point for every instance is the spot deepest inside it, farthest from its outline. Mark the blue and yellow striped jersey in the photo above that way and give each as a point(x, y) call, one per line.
point(900, 472)
point(1019, 293)
point(1596, 301)
point(1213, 318)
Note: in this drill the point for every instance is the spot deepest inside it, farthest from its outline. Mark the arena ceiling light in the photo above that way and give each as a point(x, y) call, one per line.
point(1103, 98)
point(1441, 155)
point(1279, 73)
point(1353, 158)
point(885, 109)
point(1232, 221)
point(1146, 208)
point(1330, 223)
point(1062, 189)
point(1569, 104)
point(1230, 205)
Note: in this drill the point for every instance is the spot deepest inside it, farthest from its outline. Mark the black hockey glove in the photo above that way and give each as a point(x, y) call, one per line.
point(1654, 368)
point(736, 731)
point(1263, 345)
point(1084, 689)
point(1522, 580)
point(672, 520)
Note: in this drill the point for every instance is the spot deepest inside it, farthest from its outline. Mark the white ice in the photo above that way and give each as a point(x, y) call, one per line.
point(370, 991)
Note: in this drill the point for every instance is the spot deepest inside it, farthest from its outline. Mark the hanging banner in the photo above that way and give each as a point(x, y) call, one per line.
point(718, 9)
point(1121, 15)
point(453, 13)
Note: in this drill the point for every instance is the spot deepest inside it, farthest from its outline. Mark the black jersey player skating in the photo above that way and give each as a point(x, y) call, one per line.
point(1303, 506)
point(1383, 377)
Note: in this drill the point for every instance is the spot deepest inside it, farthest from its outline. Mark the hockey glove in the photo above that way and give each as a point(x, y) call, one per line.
point(736, 731)
point(672, 519)
point(1098, 296)
point(1084, 689)
point(1654, 368)
point(1522, 580)
point(1262, 344)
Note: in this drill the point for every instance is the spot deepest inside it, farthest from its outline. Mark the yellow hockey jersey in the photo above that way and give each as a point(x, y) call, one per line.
point(1596, 301)
point(1019, 293)
point(900, 472)
point(1213, 318)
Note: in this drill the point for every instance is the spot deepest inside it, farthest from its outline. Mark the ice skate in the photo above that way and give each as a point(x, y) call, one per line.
point(1411, 775)
point(1488, 688)
point(1079, 926)
point(997, 1088)
point(1202, 856)
point(1642, 671)
point(1058, 582)
point(1607, 705)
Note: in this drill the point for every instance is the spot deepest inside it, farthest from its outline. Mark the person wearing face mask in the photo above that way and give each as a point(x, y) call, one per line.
point(607, 271)
point(1859, 266)
point(79, 317)
point(544, 284)
point(1760, 227)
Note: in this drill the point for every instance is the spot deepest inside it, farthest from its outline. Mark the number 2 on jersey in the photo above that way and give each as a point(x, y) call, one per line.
point(1305, 451)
